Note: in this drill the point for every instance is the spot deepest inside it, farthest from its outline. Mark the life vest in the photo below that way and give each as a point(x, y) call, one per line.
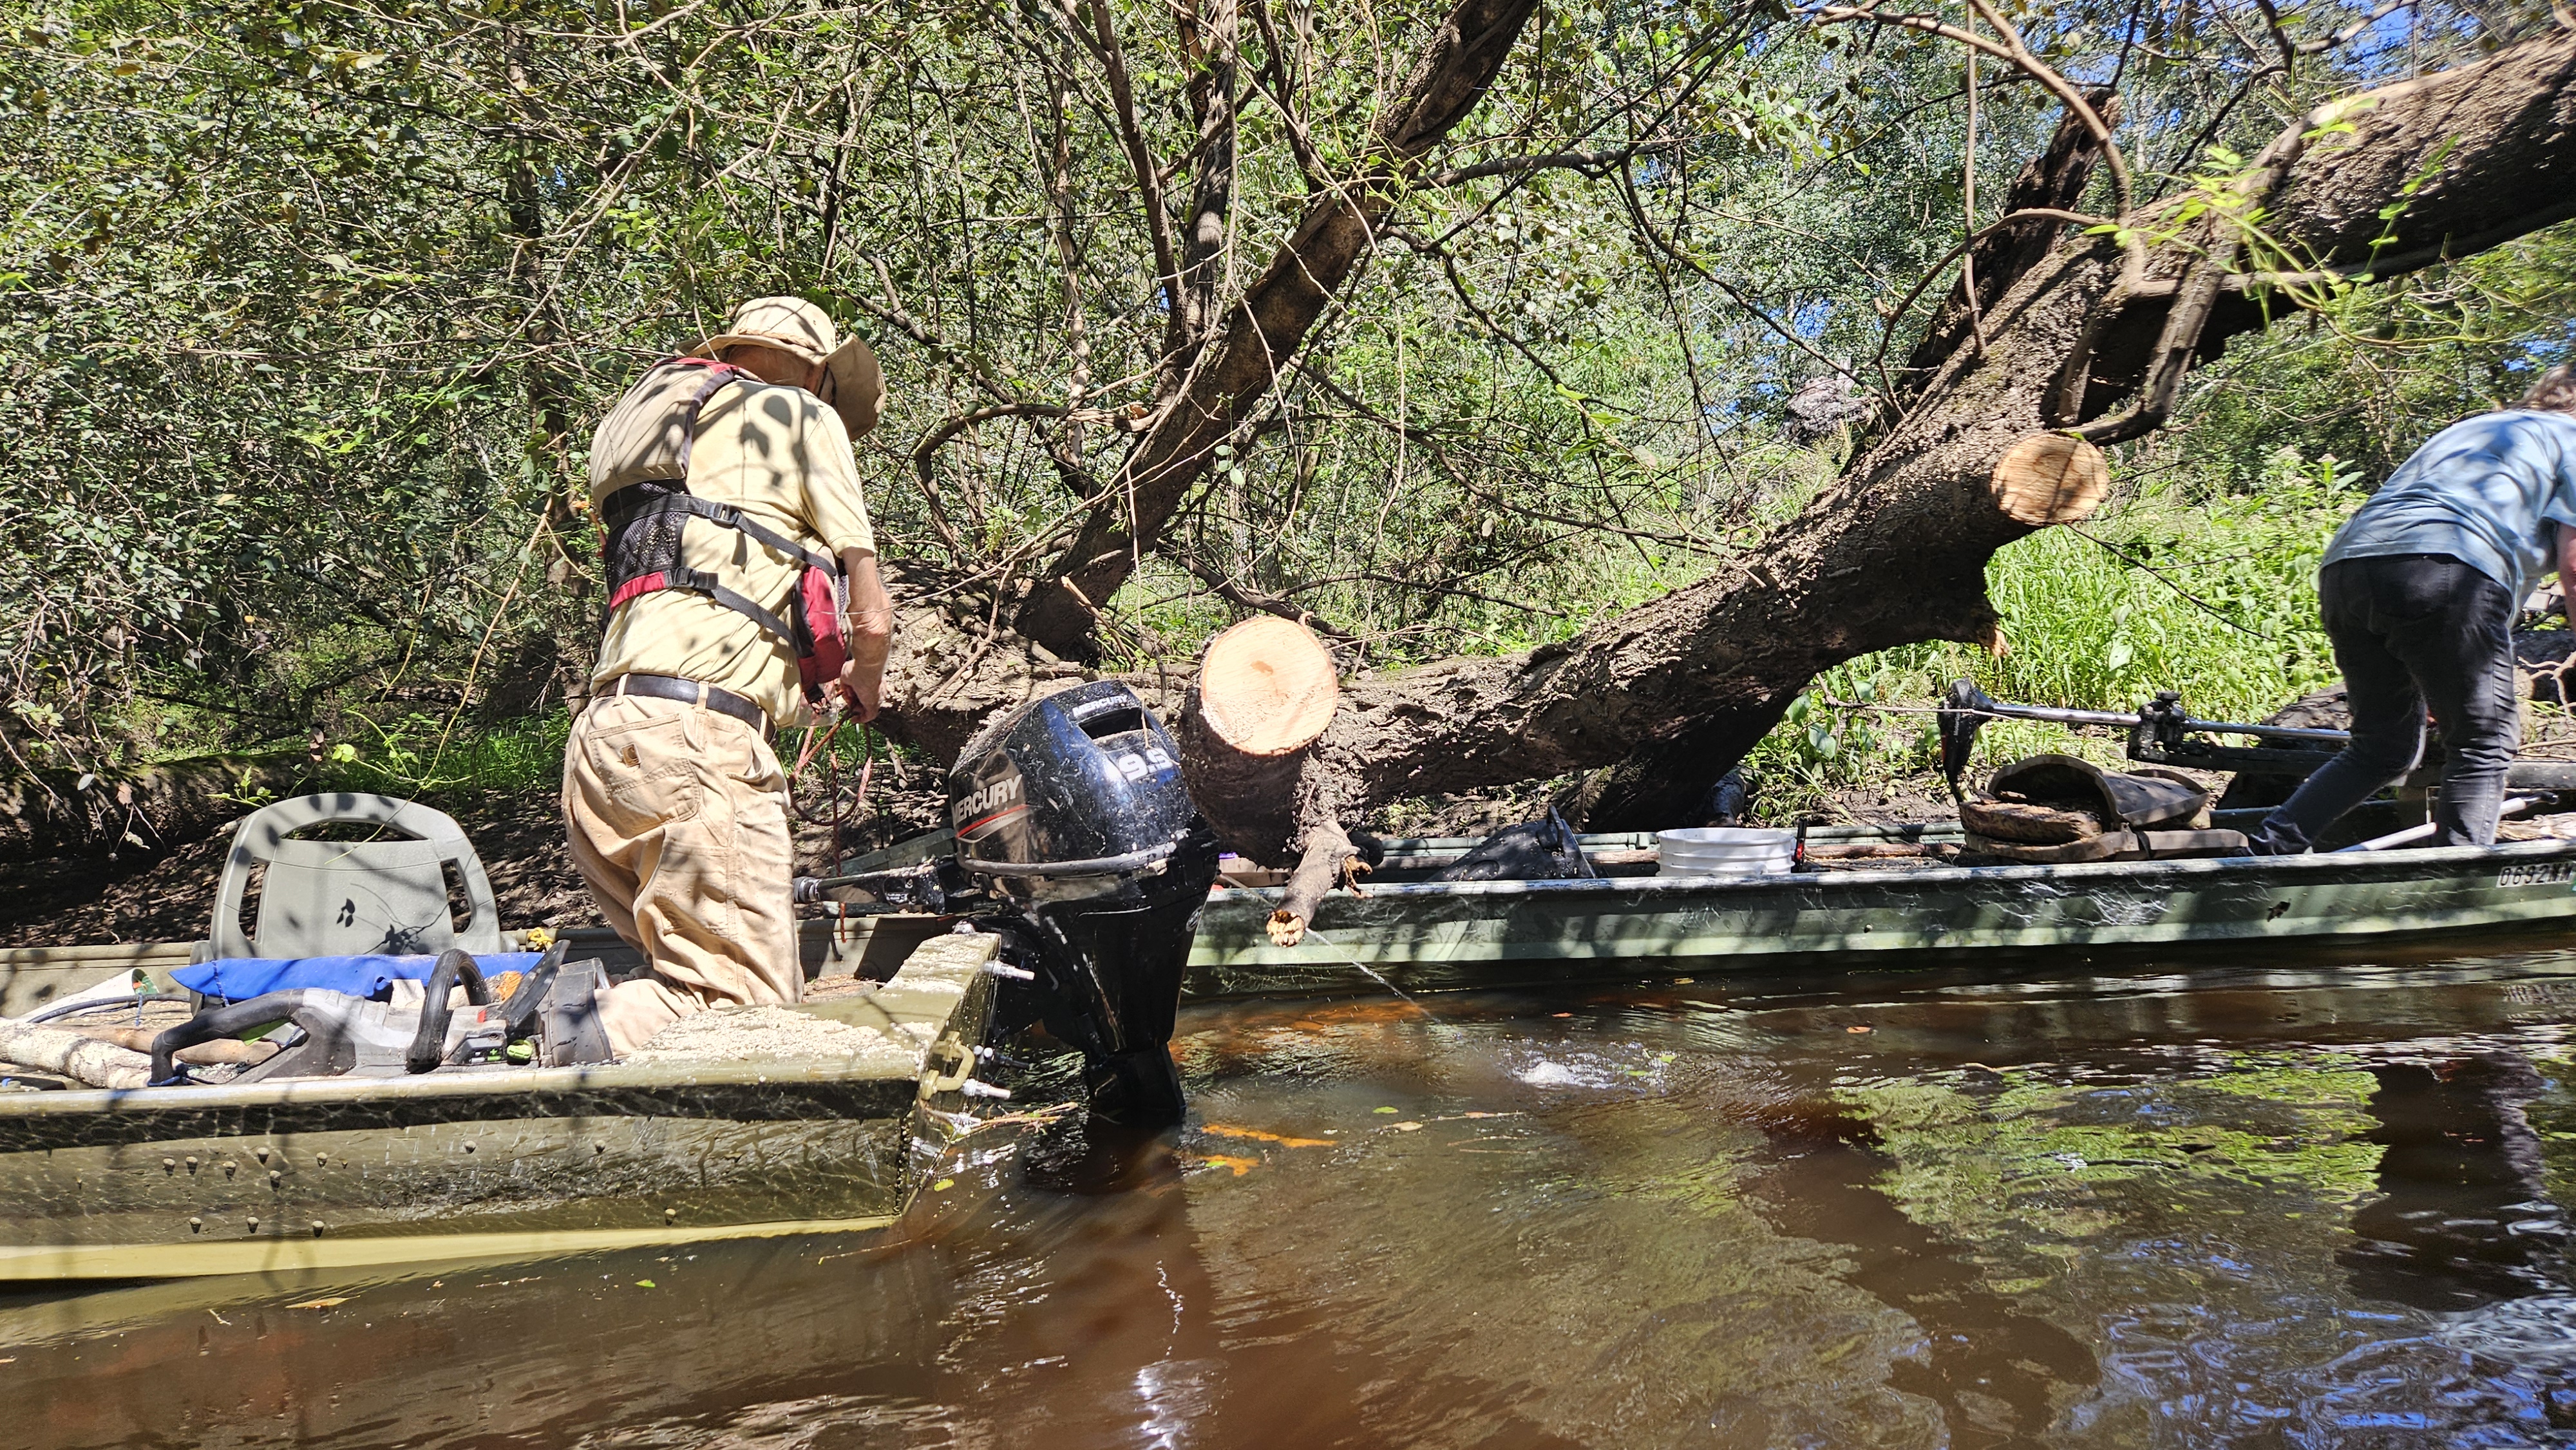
point(643, 519)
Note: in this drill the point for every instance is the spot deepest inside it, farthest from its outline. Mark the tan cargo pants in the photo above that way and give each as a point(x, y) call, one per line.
point(678, 820)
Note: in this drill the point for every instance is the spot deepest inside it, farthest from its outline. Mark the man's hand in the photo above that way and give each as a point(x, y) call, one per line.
point(862, 691)
point(871, 635)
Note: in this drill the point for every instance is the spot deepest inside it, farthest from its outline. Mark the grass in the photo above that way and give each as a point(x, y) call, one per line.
point(417, 756)
point(2207, 592)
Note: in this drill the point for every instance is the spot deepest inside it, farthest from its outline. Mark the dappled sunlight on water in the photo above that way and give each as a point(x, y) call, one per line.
point(2272, 1207)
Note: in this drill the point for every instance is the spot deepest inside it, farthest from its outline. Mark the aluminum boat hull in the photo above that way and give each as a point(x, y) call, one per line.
point(343, 1173)
point(1426, 936)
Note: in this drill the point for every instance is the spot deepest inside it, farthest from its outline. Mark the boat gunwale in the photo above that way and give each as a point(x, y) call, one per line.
point(912, 1001)
point(2218, 868)
point(526, 1085)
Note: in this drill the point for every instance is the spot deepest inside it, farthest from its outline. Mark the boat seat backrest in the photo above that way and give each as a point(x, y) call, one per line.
point(345, 898)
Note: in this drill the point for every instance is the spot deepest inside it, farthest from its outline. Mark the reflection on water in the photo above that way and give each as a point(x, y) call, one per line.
point(2259, 1208)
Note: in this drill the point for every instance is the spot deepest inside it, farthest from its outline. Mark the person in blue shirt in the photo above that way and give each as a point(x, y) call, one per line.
point(2419, 590)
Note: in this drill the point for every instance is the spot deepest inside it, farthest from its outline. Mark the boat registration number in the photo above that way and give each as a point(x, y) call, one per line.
point(2539, 873)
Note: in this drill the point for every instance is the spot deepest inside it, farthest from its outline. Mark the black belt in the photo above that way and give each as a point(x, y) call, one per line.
point(666, 687)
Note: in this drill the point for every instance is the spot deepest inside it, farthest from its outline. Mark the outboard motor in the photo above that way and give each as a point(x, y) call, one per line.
point(1073, 809)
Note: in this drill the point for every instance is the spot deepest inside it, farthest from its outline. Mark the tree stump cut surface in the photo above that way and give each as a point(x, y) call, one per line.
point(1266, 687)
point(2050, 478)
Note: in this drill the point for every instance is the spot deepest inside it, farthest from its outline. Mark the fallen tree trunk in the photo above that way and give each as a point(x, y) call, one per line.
point(1895, 553)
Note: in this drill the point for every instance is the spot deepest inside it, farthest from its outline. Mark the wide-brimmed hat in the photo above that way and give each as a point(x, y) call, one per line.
point(794, 325)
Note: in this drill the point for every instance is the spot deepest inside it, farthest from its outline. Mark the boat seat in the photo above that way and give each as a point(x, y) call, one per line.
point(347, 898)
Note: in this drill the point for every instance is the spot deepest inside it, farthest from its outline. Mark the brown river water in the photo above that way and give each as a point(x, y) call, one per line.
point(2244, 1206)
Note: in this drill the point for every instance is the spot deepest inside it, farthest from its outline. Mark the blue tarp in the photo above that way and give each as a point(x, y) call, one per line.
point(236, 979)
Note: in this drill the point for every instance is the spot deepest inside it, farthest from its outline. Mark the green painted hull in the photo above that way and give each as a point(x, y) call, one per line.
point(1432, 936)
point(342, 1173)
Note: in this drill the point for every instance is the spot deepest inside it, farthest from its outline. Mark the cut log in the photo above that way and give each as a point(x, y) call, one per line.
point(1266, 686)
point(2050, 478)
point(204, 1054)
point(1265, 692)
point(81, 1058)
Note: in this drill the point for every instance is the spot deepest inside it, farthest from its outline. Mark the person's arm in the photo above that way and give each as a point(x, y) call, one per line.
point(2566, 558)
point(871, 635)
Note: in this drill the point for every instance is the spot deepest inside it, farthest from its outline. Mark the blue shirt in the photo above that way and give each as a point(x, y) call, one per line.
point(2489, 491)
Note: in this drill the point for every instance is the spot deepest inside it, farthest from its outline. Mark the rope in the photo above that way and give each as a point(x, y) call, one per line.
point(840, 812)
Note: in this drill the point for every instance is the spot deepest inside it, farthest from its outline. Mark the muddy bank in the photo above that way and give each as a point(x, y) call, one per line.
point(168, 895)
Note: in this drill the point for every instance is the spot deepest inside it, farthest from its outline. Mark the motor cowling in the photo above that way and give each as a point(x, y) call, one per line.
point(1074, 809)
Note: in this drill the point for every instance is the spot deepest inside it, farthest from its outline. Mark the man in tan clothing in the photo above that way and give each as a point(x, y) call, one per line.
point(739, 477)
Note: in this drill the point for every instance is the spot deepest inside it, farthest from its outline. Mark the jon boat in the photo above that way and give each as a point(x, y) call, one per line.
point(412, 1138)
point(1860, 909)
point(1429, 936)
point(1630, 924)
point(504, 1163)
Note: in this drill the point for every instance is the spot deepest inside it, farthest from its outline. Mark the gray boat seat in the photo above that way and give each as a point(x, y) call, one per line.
point(347, 898)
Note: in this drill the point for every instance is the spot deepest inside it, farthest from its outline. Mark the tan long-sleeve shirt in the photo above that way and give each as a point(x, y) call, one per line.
point(781, 456)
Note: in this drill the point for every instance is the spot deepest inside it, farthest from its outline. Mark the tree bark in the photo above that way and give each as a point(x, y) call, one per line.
point(1223, 377)
point(1895, 553)
point(2055, 179)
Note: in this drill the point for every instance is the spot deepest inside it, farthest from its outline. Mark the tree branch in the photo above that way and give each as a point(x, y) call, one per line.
point(1103, 44)
point(1263, 331)
point(1594, 164)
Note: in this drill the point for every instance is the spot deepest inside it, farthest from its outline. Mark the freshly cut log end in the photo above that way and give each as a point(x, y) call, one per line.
point(1286, 928)
point(2051, 478)
point(1267, 687)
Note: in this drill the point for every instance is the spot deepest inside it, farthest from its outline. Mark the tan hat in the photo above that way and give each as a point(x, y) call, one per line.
point(794, 325)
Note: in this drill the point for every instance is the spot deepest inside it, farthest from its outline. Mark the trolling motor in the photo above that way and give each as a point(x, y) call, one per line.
point(1078, 843)
point(2159, 733)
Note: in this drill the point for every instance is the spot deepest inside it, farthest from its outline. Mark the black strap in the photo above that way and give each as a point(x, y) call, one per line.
point(705, 583)
point(649, 499)
point(647, 503)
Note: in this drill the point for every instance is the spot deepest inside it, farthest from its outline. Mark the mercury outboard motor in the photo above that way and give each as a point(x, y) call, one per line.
point(1073, 809)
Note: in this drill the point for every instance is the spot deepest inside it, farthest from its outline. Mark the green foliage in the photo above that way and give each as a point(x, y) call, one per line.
point(2214, 595)
point(306, 312)
point(418, 756)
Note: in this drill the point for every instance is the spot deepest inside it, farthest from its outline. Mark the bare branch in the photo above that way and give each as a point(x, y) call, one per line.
point(1247, 598)
point(1103, 43)
point(2010, 50)
point(1595, 164)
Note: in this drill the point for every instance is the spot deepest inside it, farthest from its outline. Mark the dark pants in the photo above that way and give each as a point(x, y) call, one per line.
point(2412, 630)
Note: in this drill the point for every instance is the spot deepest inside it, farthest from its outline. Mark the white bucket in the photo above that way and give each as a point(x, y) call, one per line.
point(1724, 851)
